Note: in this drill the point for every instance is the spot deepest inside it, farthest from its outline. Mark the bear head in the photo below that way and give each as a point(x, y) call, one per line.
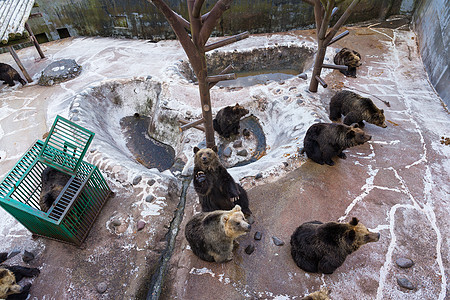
point(206, 159)
point(358, 235)
point(378, 119)
point(8, 285)
point(351, 57)
point(239, 111)
point(356, 136)
point(235, 223)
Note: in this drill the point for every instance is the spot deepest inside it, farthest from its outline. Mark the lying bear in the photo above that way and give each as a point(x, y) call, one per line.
point(326, 140)
point(322, 248)
point(211, 235)
point(8, 74)
point(214, 185)
point(53, 182)
point(227, 120)
point(355, 108)
point(9, 276)
point(349, 58)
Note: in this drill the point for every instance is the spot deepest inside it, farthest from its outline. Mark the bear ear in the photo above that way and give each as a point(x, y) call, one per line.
point(351, 236)
point(354, 221)
point(350, 134)
point(355, 125)
point(382, 111)
point(214, 148)
point(196, 149)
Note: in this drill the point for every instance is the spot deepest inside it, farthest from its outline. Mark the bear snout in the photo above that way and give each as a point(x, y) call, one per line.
point(368, 137)
point(373, 237)
point(248, 228)
point(384, 125)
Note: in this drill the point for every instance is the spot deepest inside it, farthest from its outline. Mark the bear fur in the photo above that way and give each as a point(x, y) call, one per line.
point(227, 119)
point(53, 182)
point(355, 108)
point(8, 74)
point(323, 294)
point(326, 140)
point(349, 58)
point(215, 187)
point(322, 248)
point(9, 276)
point(211, 235)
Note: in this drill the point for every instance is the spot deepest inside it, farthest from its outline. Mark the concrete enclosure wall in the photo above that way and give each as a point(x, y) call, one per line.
point(432, 25)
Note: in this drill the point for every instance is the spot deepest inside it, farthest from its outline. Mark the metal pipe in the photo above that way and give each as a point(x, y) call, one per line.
point(321, 81)
point(220, 77)
point(336, 67)
point(227, 41)
point(338, 37)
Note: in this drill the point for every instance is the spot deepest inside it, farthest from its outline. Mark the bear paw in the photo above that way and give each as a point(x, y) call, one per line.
point(342, 155)
point(200, 176)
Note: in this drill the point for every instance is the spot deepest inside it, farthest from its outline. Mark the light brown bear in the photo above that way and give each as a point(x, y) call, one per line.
point(322, 248)
point(323, 294)
point(211, 235)
point(349, 58)
point(355, 108)
point(9, 276)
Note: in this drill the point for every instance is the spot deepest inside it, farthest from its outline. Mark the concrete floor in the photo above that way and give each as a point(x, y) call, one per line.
point(397, 185)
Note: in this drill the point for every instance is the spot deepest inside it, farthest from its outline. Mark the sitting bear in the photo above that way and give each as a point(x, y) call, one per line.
point(211, 235)
point(8, 75)
point(227, 119)
point(9, 276)
point(355, 109)
point(349, 58)
point(53, 181)
point(322, 248)
point(325, 140)
point(214, 185)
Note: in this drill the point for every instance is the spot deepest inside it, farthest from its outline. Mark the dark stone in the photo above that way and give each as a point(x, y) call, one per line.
point(258, 176)
point(151, 182)
point(237, 144)
point(299, 101)
point(140, 225)
point(27, 256)
point(277, 241)
point(149, 198)
point(249, 249)
point(137, 179)
point(286, 98)
point(285, 163)
point(303, 76)
point(250, 219)
point(242, 152)
point(116, 222)
point(404, 262)
point(102, 287)
point(258, 236)
point(227, 152)
point(405, 283)
point(59, 71)
point(246, 132)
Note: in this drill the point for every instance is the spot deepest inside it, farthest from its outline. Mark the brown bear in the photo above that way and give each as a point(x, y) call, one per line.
point(325, 140)
point(227, 119)
point(322, 248)
point(323, 294)
point(349, 58)
point(211, 235)
point(53, 182)
point(355, 108)
point(214, 185)
point(8, 74)
point(9, 276)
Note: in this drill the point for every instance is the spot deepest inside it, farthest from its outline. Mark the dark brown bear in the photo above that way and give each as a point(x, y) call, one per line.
point(214, 185)
point(227, 119)
point(326, 140)
point(9, 276)
point(355, 108)
point(8, 75)
point(53, 182)
point(211, 235)
point(322, 248)
point(349, 58)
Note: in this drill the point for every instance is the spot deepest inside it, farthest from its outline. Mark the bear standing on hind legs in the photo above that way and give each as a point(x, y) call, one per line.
point(8, 74)
point(214, 185)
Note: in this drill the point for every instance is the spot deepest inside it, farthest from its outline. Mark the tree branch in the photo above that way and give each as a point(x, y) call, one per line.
point(341, 21)
point(197, 7)
point(183, 21)
point(212, 19)
point(227, 41)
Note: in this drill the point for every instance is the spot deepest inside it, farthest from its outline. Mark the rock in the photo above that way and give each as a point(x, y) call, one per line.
point(140, 225)
point(281, 82)
point(102, 287)
point(227, 152)
point(404, 262)
point(187, 140)
point(137, 179)
point(242, 152)
point(303, 76)
point(59, 71)
point(116, 222)
point(285, 163)
point(237, 144)
point(277, 241)
point(27, 256)
point(249, 249)
point(149, 198)
point(151, 182)
point(258, 176)
point(75, 119)
point(246, 132)
point(286, 98)
point(299, 101)
point(258, 236)
point(405, 283)
point(250, 220)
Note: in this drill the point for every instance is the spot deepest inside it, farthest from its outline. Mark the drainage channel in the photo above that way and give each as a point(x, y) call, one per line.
point(157, 281)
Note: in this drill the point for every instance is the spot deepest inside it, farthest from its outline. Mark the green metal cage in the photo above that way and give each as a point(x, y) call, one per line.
point(74, 211)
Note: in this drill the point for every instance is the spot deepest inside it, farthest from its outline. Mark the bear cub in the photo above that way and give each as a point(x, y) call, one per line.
point(8, 74)
point(349, 58)
point(227, 120)
point(53, 182)
point(326, 140)
point(9, 276)
point(211, 235)
point(215, 187)
point(322, 248)
point(355, 108)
